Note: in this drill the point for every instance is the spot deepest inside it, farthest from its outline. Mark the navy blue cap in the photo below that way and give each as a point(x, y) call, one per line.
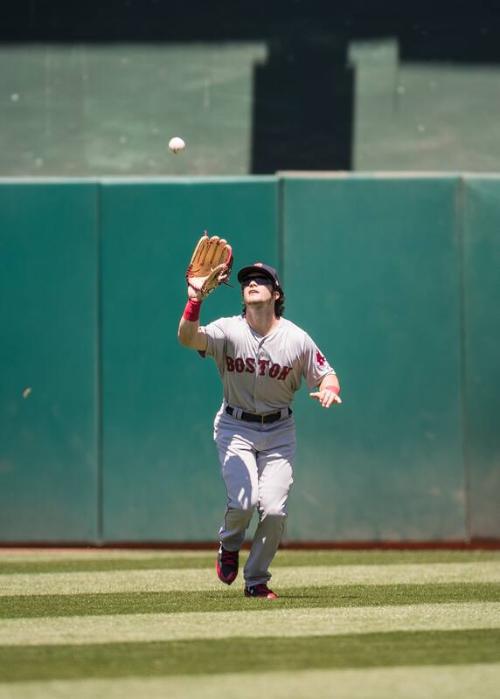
point(260, 269)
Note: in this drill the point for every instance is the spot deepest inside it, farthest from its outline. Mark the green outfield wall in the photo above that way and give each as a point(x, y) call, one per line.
point(49, 409)
point(481, 350)
point(160, 471)
point(385, 262)
point(106, 422)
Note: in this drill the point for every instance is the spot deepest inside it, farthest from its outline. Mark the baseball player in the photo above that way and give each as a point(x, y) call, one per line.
point(261, 358)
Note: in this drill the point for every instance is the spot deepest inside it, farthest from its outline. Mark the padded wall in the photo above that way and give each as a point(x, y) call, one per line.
point(160, 468)
point(372, 271)
point(482, 352)
point(48, 358)
point(106, 422)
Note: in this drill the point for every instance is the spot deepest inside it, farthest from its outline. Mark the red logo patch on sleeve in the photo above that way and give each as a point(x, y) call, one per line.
point(320, 360)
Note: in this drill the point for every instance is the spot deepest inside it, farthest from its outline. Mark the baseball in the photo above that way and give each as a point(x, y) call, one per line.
point(176, 144)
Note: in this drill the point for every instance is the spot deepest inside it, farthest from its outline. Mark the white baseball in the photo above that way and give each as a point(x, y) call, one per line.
point(176, 144)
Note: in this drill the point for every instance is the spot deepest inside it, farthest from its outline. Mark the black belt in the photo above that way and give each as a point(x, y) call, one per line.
point(262, 419)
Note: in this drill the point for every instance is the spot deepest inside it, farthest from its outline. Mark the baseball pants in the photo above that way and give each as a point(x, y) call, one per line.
point(257, 468)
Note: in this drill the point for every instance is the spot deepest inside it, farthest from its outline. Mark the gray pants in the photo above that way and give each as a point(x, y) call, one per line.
point(257, 464)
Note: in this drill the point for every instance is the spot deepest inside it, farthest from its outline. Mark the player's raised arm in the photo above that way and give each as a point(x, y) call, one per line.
point(210, 266)
point(189, 326)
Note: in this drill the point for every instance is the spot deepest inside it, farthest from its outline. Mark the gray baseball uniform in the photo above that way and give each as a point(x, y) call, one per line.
point(260, 376)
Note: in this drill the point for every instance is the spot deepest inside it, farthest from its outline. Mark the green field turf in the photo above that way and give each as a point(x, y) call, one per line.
point(103, 623)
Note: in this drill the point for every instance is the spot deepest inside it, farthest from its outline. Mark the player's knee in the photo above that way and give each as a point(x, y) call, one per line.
point(246, 512)
point(249, 506)
point(245, 505)
point(277, 510)
point(248, 499)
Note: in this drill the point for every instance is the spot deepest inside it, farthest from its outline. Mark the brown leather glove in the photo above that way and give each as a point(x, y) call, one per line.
point(210, 264)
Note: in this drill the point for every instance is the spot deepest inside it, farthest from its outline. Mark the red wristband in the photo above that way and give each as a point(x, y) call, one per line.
point(192, 310)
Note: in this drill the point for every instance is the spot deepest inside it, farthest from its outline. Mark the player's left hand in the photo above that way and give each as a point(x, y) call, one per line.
point(326, 397)
point(210, 266)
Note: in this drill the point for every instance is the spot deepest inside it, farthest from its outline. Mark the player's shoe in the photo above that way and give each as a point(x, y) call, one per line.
point(227, 565)
point(260, 590)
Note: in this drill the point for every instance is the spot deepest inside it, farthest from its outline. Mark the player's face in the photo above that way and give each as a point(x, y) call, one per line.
point(257, 290)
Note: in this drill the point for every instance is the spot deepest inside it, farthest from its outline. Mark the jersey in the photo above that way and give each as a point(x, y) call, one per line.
point(261, 374)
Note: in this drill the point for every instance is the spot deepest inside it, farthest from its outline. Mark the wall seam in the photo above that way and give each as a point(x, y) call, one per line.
point(460, 223)
point(99, 417)
point(281, 229)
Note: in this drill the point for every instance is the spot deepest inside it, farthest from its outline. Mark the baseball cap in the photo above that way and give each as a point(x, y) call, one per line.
point(259, 268)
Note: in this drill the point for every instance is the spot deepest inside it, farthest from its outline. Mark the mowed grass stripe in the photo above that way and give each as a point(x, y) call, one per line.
point(480, 681)
point(278, 623)
point(204, 580)
point(109, 564)
point(64, 562)
point(95, 553)
point(222, 656)
point(232, 599)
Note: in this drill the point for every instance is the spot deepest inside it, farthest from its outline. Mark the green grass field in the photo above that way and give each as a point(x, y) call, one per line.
point(91, 623)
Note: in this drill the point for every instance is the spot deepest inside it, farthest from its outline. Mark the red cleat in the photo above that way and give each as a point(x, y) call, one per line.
point(260, 590)
point(227, 565)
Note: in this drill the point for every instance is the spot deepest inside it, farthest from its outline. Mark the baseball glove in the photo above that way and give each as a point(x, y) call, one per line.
point(210, 264)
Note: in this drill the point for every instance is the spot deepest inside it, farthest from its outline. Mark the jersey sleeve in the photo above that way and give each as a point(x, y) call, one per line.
point(216, 341)
point(316, 365)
